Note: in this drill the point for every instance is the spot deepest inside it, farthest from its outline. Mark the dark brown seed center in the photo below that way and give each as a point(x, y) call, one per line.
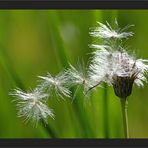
point(123, 86)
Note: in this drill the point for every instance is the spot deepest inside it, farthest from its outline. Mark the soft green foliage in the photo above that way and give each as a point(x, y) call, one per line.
point(33, 43)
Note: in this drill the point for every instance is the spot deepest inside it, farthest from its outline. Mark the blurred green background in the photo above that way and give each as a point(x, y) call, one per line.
point(34, 42)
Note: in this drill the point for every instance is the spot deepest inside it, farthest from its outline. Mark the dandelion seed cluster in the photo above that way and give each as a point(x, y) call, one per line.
point(110, 63)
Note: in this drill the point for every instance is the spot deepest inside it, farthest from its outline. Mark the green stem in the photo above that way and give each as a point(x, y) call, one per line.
point(124, 105)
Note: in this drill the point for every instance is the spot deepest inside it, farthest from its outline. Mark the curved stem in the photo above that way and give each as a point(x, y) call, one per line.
point(124, 105)
point(92, 88)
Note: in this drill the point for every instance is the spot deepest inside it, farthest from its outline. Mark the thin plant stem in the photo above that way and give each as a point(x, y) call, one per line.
point(124, 105)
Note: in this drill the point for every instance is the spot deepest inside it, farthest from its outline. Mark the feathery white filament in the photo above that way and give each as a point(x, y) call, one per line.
point(79, 77)
point(32, 105)
point(59, 84)
point(107, 32)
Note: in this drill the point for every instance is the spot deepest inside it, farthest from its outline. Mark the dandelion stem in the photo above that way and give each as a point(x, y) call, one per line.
point(124, 105)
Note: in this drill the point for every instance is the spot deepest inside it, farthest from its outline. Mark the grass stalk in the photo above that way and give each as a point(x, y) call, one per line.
point(59, 45)
point(105, 112)
point(48, 129)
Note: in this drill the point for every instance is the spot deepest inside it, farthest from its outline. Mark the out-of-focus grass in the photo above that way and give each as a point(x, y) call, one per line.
point(33, 43)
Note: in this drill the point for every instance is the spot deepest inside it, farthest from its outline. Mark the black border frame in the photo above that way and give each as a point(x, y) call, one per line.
point(71, 4)
point(74, 143)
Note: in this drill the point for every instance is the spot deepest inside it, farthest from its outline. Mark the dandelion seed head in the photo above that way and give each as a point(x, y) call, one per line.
point(119, 69)
point(32, 105)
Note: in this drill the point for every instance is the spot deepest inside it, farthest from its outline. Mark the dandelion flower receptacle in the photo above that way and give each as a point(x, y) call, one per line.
point(122, 86)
